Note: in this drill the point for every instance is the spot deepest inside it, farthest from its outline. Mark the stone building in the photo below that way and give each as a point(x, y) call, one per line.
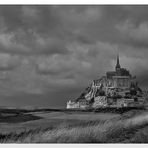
point(72, 104)
point(100, 101)
point(116, 89)
point(120, 78)
point(81, 104)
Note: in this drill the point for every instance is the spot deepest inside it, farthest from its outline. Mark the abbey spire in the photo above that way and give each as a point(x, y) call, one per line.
point(118, 63)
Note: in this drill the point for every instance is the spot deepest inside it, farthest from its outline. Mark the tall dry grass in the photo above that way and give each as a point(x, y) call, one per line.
point(111, 131)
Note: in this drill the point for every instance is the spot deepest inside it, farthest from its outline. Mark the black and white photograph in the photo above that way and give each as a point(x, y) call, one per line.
point(73, 74)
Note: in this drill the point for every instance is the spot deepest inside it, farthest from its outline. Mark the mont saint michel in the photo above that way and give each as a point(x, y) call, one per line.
point(116, 89)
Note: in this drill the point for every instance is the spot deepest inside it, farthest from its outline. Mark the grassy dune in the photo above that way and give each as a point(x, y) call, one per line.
point(132, 129)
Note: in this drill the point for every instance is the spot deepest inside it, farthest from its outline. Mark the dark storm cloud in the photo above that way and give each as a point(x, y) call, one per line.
point(38, 18)
point(9, 62)
point(31, 29)
point(84, 23)
point(51, 52)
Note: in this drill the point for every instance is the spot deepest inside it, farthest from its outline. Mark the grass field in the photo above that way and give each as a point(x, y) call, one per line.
point(49, 126)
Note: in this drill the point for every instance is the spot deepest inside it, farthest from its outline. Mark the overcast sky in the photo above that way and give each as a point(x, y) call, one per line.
point(49, 54)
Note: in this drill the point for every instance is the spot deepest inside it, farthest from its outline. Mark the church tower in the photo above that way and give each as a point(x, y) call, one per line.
point(118, 67)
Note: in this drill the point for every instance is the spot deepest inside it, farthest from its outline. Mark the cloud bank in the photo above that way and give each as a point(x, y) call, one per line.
point(49, 54)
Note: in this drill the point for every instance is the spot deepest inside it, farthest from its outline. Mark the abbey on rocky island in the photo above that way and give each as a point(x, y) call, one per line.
point(116, 89)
